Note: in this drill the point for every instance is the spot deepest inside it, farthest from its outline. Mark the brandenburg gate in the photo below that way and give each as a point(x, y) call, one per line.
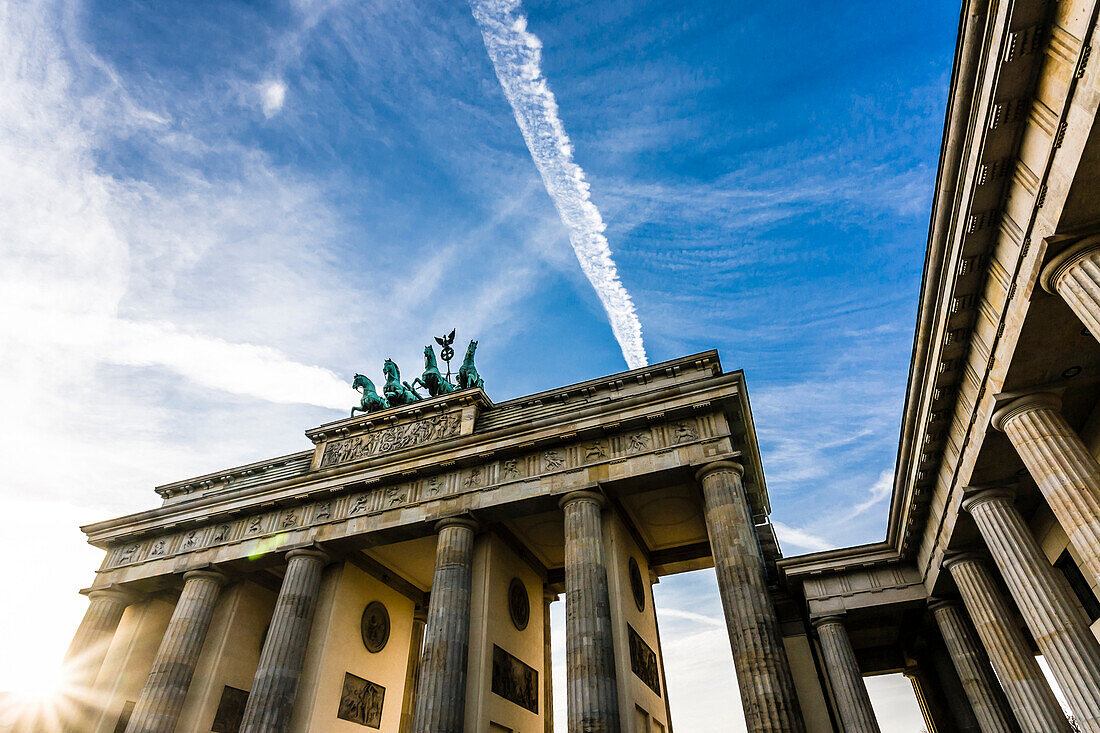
point(398, 575)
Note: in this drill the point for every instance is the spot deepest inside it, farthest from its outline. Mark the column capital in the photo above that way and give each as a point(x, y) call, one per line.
point(985, 496)
point(593, 496)
point(310, 552)
point(549, 596)
point(420, 614)
point(1061, 263)
point(207, 574)
point(959, 558)
point(717, 466)
point(468, 522)
point(1027, 403)
point(935, 604)
point(833, 619)
point(113, 592)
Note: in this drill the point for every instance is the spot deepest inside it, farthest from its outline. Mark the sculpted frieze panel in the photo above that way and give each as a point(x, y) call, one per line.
point(333, 509)
point(394, 438)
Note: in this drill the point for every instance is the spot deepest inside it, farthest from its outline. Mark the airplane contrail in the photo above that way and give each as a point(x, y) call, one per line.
point(516, 54)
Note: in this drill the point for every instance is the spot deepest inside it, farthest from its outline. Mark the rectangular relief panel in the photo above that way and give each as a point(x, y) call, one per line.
point(361, 701)
point(515, 681)
point(643, 661)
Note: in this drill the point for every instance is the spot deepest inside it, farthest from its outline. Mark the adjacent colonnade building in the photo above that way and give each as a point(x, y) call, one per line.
point(398, 575)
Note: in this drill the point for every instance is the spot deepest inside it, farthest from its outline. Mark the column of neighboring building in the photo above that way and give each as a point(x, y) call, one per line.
point(161, 700)
point(1075, 275)
point(972, 665)
point(1057, 622)
point(852, 701)
point(441, 694)
point(412, 670)
point(593, 699)
point(1064, 470)
point(763, 673)
point(1030, 697)
point(275, 684)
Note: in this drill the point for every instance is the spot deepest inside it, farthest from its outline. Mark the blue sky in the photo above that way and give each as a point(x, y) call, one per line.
point(217, 212)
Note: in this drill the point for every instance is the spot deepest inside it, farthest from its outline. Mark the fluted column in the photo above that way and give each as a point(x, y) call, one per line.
point(593, 697)
point(93, 636)
point(412, 670)
point(161, 700)
point(763, 673)
point(1075, 275)
point(1064, 470)
point(548, 597)
point(1057, 621)
point(275, 684)
point(441, 694)
point(972, 665)
point(852, 701)
point(1030, 697)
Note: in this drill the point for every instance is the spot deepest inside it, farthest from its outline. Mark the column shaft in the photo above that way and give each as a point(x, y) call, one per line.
point(441, 694)
point(93, 637)
point(1057, 622)
point(972, 665)
point(849, 691)
point(547, 665)
point(763, 673)
point(1030, 697)
point(593, 699)
point(412, 671)
point(161, 700)
point(1064, 470)
point(275, 684)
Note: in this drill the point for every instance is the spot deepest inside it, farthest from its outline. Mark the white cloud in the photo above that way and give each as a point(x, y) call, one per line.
point(516, 56)
point(273, 95)
point(801, 538)
point(879, 491)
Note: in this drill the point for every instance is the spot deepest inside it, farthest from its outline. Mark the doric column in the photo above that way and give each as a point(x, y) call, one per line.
point(1057, 622)
point(852, 701)
point(158, 707)
point(1064, 470)
point(441, 694)
point(1075, 275)
point(93, 636)
point(972, 665)
point(548, 597)
point(763, 673)
point(275, 684)
point(412, 670)
point(593, 698)
point(1030, 697)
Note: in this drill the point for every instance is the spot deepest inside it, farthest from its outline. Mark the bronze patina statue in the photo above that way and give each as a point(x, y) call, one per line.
point(467, 373)
point(397, 392)
point(372, 401)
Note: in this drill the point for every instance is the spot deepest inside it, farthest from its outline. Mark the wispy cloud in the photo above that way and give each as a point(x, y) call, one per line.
point(273, 96)
point(801, 538)
point(879, 491)
point(516, 54)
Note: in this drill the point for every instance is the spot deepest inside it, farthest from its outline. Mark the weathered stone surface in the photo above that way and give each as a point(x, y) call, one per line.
point(1057, 621)
point(161, 700)
point(441, 694)
point(593, 699)
point(1030, 697)
point(763, 673)
point(852, 702)
point(275, 685)
point(1075, 275)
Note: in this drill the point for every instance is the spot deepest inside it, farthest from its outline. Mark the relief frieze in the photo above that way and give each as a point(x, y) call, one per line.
point(528, 466)
point(388, 440)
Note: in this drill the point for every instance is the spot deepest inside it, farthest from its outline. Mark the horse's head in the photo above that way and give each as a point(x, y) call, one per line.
point(389, 368)
point(360, 381)
point(471, 349)
point(429, 356)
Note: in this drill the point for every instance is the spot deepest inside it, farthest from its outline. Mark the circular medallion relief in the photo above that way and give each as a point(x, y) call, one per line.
point(519, 605)
point(636, 586)
point(375, 627)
